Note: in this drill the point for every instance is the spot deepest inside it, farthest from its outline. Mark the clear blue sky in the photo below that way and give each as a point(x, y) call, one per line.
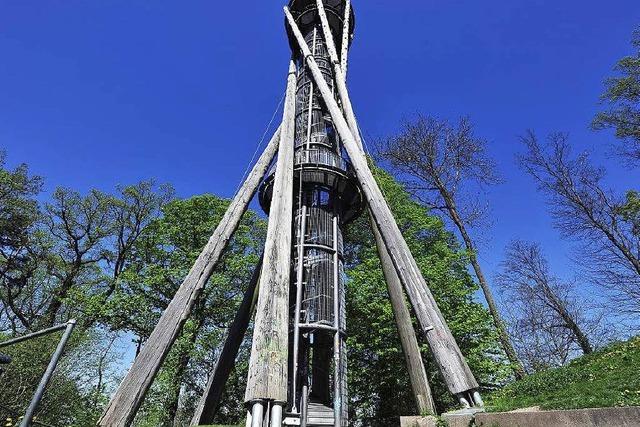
point(97, 93)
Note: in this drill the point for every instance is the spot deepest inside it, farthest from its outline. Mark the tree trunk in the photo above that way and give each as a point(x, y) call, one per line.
point(503, 336)
point(58, 297)
point(570, 323)
point(582, 339)
point(345, 40)
point(341, 82)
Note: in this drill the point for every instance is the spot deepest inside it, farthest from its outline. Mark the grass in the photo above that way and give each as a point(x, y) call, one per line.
point(606, 378)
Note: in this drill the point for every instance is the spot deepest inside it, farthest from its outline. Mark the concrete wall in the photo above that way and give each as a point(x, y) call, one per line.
point(602, 417)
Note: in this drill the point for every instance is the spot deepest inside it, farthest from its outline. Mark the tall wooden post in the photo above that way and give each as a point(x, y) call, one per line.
point(268, 365)
point(410, 348)
point(210, 399)
point(131, 392)
point(453, 366)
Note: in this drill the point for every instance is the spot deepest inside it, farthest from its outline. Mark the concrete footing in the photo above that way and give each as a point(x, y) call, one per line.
point(533, 417)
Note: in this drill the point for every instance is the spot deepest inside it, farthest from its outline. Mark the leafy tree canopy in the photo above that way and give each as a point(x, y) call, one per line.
point(622, 95)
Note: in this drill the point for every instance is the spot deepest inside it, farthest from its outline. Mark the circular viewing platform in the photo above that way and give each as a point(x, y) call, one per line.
point(305, 13)
point(321, 167)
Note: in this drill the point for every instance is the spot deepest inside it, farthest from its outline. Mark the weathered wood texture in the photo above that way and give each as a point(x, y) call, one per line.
point(268, 365)
point(344, 56)
point(340, 79)
point(210, 399)
point(452, 364)
point(408, 340)
point(131, 392)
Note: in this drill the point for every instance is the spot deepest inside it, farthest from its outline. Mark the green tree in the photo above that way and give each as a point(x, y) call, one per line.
point(622, 95)
point(378, 381)
point(19, 248)
point(91, 239)
point(585, 209)
point(58, 260)
point(161, 258)
point(630, 211)
point(78, 389)
point(441, 164)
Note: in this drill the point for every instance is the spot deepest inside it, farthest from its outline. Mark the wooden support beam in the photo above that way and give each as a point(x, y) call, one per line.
point(451, 362)
point(129, 396)
point(341, 85)
point(344, 55)
point(268, 366)
point(210, 399)
point(408, 340)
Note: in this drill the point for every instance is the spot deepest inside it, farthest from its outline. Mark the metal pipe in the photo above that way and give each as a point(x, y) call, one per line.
point(37, 396)
point(477, 399)
point(296, 330)
point(314, 326)
point(33, 335)
point(305, 406)
point(337, 395)
point(257, 411)
point(276, 415)
point(464, 402)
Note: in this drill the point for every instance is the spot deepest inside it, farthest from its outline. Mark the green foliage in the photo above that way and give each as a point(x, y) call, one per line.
point(161, 258)
point(605, 378)
point(73, 397)
point(378, 382)
point(622, 94)
point(630, 211)
point(18, 207)
point(19, 253)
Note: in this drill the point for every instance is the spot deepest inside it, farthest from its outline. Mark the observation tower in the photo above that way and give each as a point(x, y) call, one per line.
point(312, 179)
point(326, 196)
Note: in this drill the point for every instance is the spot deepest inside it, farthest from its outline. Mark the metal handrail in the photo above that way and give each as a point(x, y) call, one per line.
point(322, 157)
point(27, 421)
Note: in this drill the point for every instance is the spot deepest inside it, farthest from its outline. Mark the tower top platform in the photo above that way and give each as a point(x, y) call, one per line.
point(305, 12)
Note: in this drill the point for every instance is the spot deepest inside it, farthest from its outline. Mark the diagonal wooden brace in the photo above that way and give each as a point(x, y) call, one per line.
point(129, 396)
point(447, 354)
point(344, 56)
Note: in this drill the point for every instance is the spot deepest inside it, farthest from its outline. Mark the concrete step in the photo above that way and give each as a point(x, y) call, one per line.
point(319, 415)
